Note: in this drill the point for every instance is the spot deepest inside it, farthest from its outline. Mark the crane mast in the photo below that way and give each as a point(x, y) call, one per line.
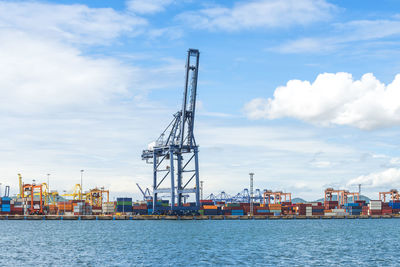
point(174, 155)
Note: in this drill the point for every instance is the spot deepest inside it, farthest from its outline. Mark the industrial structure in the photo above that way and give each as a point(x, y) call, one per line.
point(393, 193)
point(174, 156)
point(342, 195)
point(277, 197)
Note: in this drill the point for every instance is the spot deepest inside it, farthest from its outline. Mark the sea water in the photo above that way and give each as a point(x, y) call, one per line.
point(346, 242)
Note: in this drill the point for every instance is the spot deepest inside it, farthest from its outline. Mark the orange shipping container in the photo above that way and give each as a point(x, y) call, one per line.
point(210, 207)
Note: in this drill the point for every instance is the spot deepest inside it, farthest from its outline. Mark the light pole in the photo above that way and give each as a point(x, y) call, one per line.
point(201, 189)
point(251, 193)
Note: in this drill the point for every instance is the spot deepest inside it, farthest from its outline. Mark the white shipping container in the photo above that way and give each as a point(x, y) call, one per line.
point(375, 208)
point(338, 210)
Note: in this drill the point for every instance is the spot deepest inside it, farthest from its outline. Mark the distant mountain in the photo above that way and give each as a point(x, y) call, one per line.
point(350, 199)
point(298, 200)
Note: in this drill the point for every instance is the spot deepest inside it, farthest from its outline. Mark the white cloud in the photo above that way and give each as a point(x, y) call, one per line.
point(333, 99)
point(77, 24)
point(148, 6)
point(385, 179)
point(343, 34)
point(38, 74)
point(260, 14)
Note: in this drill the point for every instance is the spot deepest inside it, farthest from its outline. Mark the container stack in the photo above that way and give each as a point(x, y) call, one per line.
point(353, 208)
point(124, 204)
point(275, 208)
point(6, 205)
point(52, 209)
point(109, 208)
point(309, 211)
point(17, 207)
point(301, 208)
point(97, 210)
point(237, 212)
point(262, 210)
point(395, 205)
point(317, 209)
point(386, 209)
point(140, 209)
point(365, 210)
point(65, 208)
point(330, 205)
point(375, 207)
point(212, 210)
point(79, 208)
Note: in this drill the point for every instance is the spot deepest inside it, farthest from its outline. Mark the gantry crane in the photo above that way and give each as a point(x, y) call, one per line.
point(346, 195)
point(329, 192)
point(342, 195)
point(76, 193)
point(175, 153)
point(29, 191)
point(49, 197)
point(394, 195)
point(277, 197)
point(95, 197)
point(146, 193)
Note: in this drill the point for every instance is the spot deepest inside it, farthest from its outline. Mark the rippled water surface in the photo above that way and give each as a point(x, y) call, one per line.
point(371, 242)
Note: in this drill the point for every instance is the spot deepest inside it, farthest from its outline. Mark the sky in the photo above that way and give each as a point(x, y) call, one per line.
point(304, 93)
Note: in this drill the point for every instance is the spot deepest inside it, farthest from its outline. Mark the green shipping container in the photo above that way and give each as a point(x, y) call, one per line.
point(124, 203)
point(201, 212)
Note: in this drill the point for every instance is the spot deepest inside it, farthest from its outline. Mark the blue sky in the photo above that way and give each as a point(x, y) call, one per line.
point(302, 93)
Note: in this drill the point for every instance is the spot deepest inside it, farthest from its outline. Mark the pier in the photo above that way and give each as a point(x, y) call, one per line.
point(185, 218)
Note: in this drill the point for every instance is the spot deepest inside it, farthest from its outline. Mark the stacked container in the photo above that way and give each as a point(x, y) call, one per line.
point(140, 209)
point(353, 208)
point(275, 208)
point(237, 212)
point(317, 209)
point(79, 208)
point(309, 211)
point(375, 207)
point(386, 209)
point(65, 207)
point(109, 207)
point(395, 205)
point(6, 205)
point(124, 204)
point(329, 205)
point(301, 208)
point(212, 210)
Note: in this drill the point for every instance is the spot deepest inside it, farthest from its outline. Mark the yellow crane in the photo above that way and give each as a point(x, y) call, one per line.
point(95, 196)
point(21, 186)
point(49, 197)
point(76, 193)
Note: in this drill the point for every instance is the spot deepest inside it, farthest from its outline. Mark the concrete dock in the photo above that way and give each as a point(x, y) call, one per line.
point(184, 218)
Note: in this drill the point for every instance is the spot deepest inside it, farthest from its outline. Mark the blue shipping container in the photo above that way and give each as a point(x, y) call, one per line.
point(124, 209)
point(124, 199)
point(5, 208)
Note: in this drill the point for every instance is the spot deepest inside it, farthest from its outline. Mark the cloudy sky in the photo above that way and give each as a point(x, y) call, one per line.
point(304, 93)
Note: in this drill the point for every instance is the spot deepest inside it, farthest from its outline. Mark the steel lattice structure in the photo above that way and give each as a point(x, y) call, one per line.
point(175, 153)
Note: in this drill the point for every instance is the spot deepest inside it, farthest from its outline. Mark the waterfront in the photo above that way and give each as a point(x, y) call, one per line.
point(370, 242)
